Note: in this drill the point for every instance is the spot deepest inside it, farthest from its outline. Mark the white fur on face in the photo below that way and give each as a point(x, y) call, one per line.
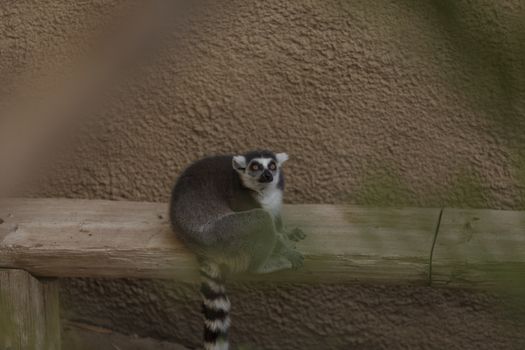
point(250, 181)
point(263, 161)
point(254, 184)
point(267, 194)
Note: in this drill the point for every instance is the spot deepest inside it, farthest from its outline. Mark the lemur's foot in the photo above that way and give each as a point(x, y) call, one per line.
point(295, 257)
point(296, 235)
point(291, 259)
point(274, 263)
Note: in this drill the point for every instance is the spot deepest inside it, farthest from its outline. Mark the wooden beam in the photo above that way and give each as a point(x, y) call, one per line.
point(478, 248)
point(29, 312)
point(93, 238)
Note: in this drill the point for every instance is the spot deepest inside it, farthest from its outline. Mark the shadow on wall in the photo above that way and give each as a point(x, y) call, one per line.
point(386, 186)
point(493, 52)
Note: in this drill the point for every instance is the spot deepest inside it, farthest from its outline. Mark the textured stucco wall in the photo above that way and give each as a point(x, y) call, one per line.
point(381, 103)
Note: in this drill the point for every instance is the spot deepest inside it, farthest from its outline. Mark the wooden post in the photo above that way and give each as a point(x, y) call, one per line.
point(29, 312)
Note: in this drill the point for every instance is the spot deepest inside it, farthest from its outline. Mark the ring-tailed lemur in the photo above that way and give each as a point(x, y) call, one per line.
point(227, 210)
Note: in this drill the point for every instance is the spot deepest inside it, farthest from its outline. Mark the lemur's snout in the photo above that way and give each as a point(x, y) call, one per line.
point(266, 176)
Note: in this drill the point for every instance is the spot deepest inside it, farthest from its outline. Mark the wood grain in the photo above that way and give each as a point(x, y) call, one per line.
point(482, 249)
point(29, 312)
point(80, 238)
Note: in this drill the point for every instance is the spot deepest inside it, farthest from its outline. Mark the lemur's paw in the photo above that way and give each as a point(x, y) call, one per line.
point(296, 235)
point(296, 259)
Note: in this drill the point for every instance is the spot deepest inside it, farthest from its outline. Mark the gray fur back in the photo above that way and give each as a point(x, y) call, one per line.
point(217, 217)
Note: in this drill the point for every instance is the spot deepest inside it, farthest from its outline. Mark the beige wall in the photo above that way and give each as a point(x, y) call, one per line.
point(378, 102)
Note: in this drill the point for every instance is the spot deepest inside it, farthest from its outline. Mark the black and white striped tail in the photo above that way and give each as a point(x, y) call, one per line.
point(215, 307)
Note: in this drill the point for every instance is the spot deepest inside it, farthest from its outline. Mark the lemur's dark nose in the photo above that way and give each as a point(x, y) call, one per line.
point(266, 176)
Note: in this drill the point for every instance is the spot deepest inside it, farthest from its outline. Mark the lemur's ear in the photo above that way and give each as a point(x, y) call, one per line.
point(281, 158)
point(239, 163)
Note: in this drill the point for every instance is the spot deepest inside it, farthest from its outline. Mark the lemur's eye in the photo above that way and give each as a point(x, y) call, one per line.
point(254, 167)
point(272, 166)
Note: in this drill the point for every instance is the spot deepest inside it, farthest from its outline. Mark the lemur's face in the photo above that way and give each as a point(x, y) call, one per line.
point(263, 169)
point(259, 169)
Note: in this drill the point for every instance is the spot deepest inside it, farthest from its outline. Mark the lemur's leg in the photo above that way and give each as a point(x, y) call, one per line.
point(295, 234)
point(284, 256)
point(284, 248)
point(274, 263)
